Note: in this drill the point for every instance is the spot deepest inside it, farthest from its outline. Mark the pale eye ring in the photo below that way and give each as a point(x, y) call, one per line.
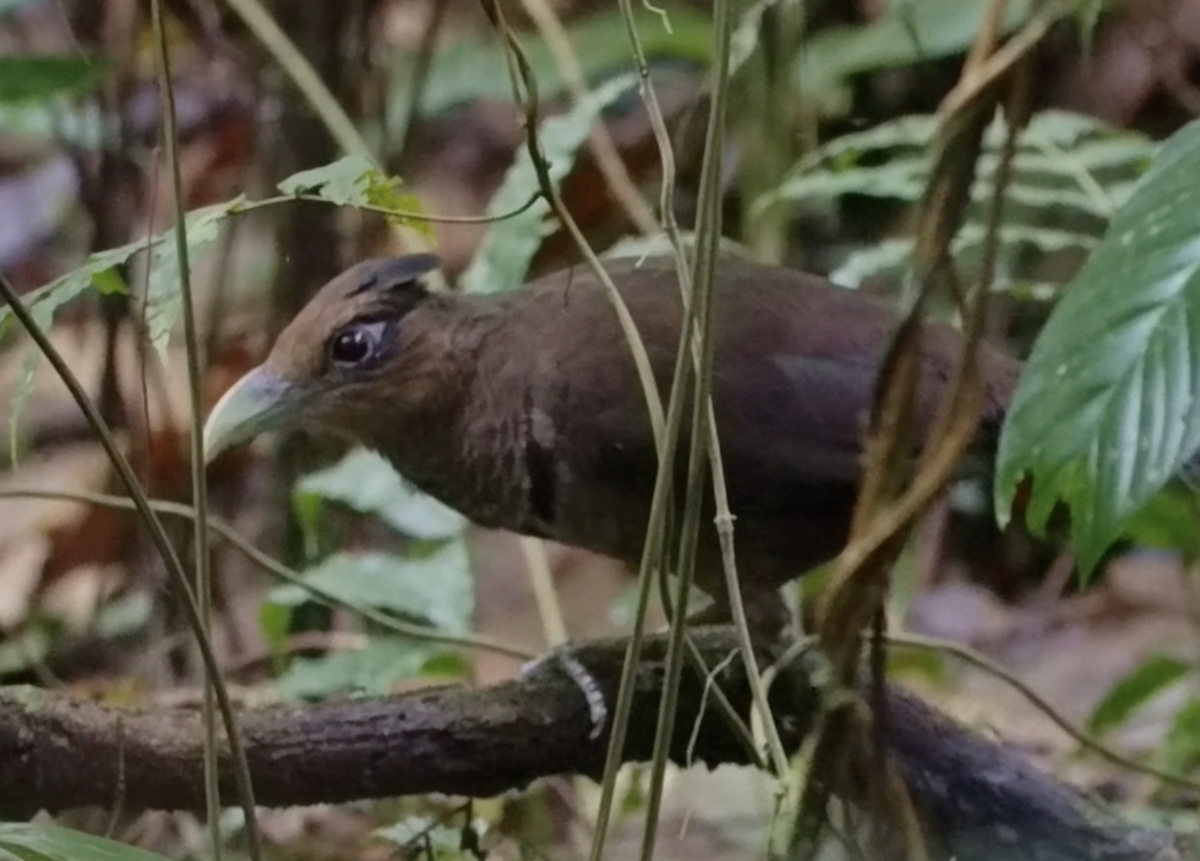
point(354, 344)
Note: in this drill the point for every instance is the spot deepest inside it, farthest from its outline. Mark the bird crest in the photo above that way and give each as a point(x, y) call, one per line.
point(387, 274)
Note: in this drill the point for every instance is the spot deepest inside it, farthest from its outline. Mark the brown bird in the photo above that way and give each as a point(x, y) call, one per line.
point(524, 410)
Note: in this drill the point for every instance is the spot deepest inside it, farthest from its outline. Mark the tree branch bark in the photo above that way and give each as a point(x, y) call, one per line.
point(975, 799)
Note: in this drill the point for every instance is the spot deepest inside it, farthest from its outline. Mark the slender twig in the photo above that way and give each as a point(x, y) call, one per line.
point(724, 517)
point(282, 572)
point(541, 581)
point(250, 206)
point(418, 75)
point(301, 72)
point(701, 338)
point(665, 428)
point(162, 543)
point(191, 338)
point(970, 656)
point(297, 67)
point(861, 574)
point(600, 142)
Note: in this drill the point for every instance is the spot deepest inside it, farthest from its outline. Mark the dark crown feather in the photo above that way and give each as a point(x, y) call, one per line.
point(396, 283)
point(397, 273)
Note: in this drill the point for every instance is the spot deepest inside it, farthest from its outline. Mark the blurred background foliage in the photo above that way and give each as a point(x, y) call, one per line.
point(832, 117)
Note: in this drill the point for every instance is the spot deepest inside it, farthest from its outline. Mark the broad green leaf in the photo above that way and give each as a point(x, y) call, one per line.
point(908, 33)
point(502, 260)
point(45, 300)
point(27, 648)
point(164, 301)
point(1057, 159)
point(47, 842)
point(475, 67)
point(421, 832)
point(99, 272)
point(124, 616)
point(343, 182)
point(1180, 750)
point(60, 120)
point(435, 587)
point(746, 37)
point(1168, 522)
point(275, 622)
point(40, 77)
point(1087, 19)
point(353, 181)
point(1134, 691)
point(7, 6)
point(891, 256)
point(370, 671)
point(366, 482)
point(1106, 409)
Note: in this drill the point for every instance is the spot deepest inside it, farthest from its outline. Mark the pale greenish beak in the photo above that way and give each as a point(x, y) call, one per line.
point(258, 402)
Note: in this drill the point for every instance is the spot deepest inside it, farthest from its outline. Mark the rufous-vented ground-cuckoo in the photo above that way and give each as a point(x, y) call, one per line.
point(524, 410)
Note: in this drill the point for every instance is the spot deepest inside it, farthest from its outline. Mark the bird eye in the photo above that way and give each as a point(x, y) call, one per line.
point(354, 345)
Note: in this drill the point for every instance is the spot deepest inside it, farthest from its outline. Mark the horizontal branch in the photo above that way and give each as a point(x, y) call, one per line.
point(976, 799)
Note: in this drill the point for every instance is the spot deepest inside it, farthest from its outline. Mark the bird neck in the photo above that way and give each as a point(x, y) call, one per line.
point(465, 441)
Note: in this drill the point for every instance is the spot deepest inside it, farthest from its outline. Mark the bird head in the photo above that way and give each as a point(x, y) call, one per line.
point(326, 369)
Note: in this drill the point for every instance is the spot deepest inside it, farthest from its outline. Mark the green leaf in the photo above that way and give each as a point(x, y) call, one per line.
point(353, 181)
point(7, 6)
point(99, 271)
point(907, 33)
point(1057, 159)
point(502, 260)
point(275, 622)
point(366, 482)
point(415, 832)
point(164, 300)
point(40, 77)
point(1106, 410)
point(53, 842)
point(370, 671)
point(1168, 522)
point(746, 37)
point(891, 256)
point(1180, 750)
point(1134, 691)
point(58, 121)
point(1087, 18)
point(435, 587)
point(476, 68)
point(124, 616)
point(27, 648)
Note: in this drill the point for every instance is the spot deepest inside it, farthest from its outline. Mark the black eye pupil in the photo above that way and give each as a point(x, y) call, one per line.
point(351, 346)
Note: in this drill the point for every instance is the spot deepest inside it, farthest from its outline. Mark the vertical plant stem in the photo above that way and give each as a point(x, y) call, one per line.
point(212, 791)
point(604, 150)
point(323, 102)
point(303, 75)
point(162, 543)
point(196, 397)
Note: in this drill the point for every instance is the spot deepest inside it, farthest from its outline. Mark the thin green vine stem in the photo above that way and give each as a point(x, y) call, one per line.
point(202, 556)
point(724, 518)
point(162, 544)
point(282, 572)
point(665, 427)
point(296, 66)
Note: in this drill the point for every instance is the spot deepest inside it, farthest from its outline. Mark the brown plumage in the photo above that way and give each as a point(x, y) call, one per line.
point(524, 411)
